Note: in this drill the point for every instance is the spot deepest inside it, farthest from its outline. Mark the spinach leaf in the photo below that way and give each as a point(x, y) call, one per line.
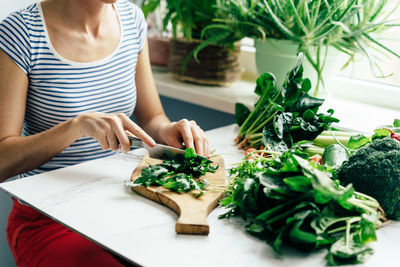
point(273, 185)
point(334, 155)
point(305, 102)
point(282, 123)
point(347, 250)
point(271, 142)
point(288, 110)
point(292, 87)
point(396, 123)
point(380, 133)
point(241, 113)
point(266, 85)
point(327, 219)
point(298, 183)
point(327, 118)
point(358, 141)
point(302, 239)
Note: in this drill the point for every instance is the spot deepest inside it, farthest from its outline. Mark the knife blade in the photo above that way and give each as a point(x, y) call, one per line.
point(159, 151)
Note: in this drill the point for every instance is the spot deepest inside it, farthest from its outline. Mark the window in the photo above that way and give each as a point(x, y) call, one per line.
point(389, 64)
point(357, 81)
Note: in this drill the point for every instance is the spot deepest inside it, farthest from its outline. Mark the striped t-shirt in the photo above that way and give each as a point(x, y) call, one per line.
point(60, 89)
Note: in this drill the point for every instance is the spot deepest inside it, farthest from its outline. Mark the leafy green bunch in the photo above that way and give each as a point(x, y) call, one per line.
point(347, 25)
point(178, 173)
point(282, 115)
point(288, 200)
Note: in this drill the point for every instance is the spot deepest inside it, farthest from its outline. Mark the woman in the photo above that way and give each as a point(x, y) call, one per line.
point(72, 73)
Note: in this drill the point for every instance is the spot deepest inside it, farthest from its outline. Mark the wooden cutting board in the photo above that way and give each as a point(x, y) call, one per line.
point(193, 212)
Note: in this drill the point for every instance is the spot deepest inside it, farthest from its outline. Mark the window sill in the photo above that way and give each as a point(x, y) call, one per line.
point(214, 97)
point(369, 92)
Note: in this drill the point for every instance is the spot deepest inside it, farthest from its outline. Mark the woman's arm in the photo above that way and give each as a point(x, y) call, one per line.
point(19, 154)
point(150, 114)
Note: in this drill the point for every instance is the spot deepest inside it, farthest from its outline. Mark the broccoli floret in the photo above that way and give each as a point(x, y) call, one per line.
point(375, 171)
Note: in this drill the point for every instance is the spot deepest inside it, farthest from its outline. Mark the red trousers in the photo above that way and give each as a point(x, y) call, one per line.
point(36, 240)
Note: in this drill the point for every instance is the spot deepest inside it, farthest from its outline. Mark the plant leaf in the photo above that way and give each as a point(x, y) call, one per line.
point(271, 142)
point(358, 141)
point(298, 183)
point(266, 85)
point(380, 133)
point(241, 113)
point(334, 155)
point(396, 123)
point(354, 253)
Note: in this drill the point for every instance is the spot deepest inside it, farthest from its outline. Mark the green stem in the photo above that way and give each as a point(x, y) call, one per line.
point(267, 214)
point(338, 133)
point(314, 150)
point(255, 144)
point(260, 117)
point(244, 127)
point(324, 140)
point(281, 216)
point(373, 202)
point(266, 151)
point(254, 136)
point(285, 214)
point(361, 204)
point(348, 226)
point(294, 128)
point(339, 229)
point(263, 123)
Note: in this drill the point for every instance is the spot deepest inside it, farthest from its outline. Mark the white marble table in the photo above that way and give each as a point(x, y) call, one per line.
point(91, 198)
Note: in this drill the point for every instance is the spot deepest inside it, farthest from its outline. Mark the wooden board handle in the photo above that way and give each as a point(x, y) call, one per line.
point(192, 211)
point(193, 221)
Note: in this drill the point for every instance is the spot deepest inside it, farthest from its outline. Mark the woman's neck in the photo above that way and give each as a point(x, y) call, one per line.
point(83, 15)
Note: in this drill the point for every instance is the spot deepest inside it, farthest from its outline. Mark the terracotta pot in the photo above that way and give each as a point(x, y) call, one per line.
point(218, 65)
point(158, 50)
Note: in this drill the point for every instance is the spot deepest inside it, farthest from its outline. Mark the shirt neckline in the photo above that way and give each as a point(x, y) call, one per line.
point(76, 63)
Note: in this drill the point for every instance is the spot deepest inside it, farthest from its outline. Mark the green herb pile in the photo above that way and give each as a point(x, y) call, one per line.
point(288, 200)
point(177, 174)
point(283, 115)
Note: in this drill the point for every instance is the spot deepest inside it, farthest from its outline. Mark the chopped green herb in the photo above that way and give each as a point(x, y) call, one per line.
point(178, 173)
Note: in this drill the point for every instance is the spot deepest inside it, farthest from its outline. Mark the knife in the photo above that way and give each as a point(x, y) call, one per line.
point(158, 151)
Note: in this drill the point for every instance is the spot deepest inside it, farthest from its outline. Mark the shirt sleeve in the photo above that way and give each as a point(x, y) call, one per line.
point(142, 28)
point(15, 42)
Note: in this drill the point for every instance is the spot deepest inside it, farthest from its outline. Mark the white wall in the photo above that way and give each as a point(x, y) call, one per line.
point(6, 259)
point(8, 6)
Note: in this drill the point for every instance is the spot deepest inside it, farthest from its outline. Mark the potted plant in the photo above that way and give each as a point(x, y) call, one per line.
point(157, 38)
point(210, 59)
point(321, 29)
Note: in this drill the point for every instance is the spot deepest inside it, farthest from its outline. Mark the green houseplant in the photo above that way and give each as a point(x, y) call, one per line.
point(314, 27)
point(157, 38)
point(212, 61)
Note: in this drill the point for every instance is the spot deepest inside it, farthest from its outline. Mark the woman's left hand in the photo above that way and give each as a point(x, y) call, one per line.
point(187, 132)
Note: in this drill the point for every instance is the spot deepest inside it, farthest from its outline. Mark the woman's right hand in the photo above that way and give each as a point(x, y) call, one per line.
point(110, 130)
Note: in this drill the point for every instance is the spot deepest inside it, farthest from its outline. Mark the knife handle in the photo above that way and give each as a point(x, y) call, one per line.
point(135, 142)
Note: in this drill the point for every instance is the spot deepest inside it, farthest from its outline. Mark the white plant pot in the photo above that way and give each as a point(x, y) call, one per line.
point(280, 56)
